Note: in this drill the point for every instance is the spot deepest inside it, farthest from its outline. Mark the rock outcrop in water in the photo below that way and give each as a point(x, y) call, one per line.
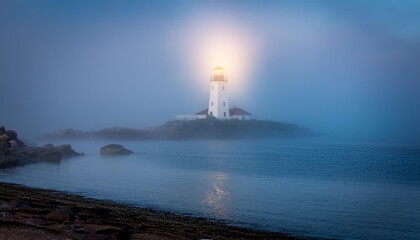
point(114, 150)
point(14, 152)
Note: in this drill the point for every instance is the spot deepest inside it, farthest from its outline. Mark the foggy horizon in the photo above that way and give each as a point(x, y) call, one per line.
point(344, 69)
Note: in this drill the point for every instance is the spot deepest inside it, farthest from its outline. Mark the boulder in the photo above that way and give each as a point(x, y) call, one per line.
point(12, 134)
point(18, 203)
point(4, 146)
point(13, 144)
point(5, 207)
point(79, 229)
point(114, 150)
point(61, 215)
point(29, 152)
point(66, 151)
point(49, 145)
point(113, 232)
point(20, 143)
point(37, 222)
point(64, 148)
point(47, 155)
point(4, 137)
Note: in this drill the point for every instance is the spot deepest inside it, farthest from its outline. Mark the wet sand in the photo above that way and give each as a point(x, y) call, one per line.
point(28, 213)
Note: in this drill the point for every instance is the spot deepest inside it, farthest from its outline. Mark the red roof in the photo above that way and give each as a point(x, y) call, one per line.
point(232, 112)
point(203, 112)
point(238, 111)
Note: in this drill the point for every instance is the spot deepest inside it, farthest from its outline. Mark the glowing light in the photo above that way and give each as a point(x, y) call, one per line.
point(220, 41)
point(218, 71)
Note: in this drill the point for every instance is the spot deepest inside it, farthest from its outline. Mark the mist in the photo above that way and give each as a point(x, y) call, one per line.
point(344, 69)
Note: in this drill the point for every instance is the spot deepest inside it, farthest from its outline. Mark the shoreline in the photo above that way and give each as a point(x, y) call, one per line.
point(33, 213)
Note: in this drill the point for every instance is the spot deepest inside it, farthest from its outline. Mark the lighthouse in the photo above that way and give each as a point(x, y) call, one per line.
point(218, 102)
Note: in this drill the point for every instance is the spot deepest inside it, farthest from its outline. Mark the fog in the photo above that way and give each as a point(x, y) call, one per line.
point(348, 69)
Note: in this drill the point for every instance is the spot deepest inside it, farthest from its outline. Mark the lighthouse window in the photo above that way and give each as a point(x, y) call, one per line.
point(211, 113)
point(224, 104)
point(212, 87)
point(223, 87)
point(224, 114)
point(212, 104)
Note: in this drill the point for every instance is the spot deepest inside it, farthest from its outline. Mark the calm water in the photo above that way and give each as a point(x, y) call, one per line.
point(342, 191)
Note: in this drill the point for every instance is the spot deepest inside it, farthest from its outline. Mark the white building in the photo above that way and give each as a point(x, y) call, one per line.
point(239, 113)
point(218, 102)
point(234, 113)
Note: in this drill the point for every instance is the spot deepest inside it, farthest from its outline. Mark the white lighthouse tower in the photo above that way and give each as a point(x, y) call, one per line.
point(218, 102)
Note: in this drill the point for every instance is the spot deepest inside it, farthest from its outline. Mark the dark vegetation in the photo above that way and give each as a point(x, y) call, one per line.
point(195, 129)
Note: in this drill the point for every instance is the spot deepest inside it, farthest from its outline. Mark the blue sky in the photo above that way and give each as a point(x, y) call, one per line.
point(343, 68)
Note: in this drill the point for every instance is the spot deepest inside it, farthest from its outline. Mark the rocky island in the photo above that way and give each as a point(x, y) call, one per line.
point(209, 128)
point(14, 152)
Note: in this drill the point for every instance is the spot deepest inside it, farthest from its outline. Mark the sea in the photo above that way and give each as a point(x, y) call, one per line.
point(307, 188)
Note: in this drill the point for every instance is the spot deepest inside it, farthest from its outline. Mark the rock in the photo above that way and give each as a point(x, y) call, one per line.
point(12, 134)
point(114, 150)
point(13, 144)
point(18, 203)
point(106, 230)
point(14, 152)
point(46, 155)
point(113, 233)
point(64, 148)
point(61, 215)
point(4, 137)
point(20, 144)
point(67, 151)
point(29, 152)
point(4, 146)
point(7, 160)
point(4, 214)
point(5, 207)
point(79, 229)
point(35, 222)
point(84, 236)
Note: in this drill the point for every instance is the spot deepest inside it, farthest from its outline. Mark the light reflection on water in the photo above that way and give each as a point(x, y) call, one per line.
point(308, 189)
point(216, 196)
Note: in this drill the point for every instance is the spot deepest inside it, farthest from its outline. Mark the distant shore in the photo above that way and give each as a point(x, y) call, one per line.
point(30, 213)
point(203, 129)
